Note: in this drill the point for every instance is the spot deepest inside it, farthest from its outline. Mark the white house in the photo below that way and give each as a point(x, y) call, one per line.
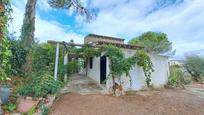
point(98, 67)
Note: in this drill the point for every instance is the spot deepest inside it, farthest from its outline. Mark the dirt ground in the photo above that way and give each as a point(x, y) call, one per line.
point(163, 102)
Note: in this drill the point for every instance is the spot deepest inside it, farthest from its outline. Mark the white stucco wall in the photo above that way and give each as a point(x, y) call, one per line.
point(159, 76)
point(94, 73)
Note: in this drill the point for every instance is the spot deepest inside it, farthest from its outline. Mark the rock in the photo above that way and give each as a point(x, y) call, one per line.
point(26, 105)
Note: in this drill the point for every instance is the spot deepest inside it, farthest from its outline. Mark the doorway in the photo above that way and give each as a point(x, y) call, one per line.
point(103, 70)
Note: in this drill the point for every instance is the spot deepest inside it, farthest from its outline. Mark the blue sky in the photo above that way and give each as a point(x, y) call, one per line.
point(181, 20)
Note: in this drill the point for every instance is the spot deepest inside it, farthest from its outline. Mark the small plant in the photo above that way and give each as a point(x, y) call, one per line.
point(40, 85)
point(11, 106)
point(45, 110)
point(70, 68)
point(176, 78)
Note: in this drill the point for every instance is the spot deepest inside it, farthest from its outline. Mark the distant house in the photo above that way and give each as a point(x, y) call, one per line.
point(98, 67)
point(176, 62)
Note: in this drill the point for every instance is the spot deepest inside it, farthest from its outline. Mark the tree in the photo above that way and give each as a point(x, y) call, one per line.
point(28, 28)
point(195, 67)
point(153, 42)
point(27, 33)
point(75, 4)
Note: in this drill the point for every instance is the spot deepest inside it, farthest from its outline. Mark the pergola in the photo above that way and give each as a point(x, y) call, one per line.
point(66, 45)
point(97, 44)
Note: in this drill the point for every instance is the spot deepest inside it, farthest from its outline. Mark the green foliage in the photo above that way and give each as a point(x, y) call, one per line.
point(43, 57)
point(153, 42)
point(5, 55)
point(3, 75)
point(18, 57)
point(120, 65)
point(117, 60)
point(86, 51)
point(75, 4)
point(28, 27)
point(144, 61)
point(45, 110)
point(176, 78)
point(195, 67)
point(40, 85)
point(10, 106)
point(70, 68)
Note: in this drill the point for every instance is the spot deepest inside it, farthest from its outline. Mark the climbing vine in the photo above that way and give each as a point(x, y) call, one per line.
point(120, 65)
point(86, 52)
point(5, 53)
point(144, 61)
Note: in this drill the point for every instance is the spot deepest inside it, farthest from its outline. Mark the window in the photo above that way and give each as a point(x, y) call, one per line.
point(91, 62)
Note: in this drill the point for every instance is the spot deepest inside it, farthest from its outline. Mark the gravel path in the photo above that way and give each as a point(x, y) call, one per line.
point(84, 98)
point(167, 102)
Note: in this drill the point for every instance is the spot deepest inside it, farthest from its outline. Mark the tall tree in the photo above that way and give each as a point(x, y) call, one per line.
point(195, 67)
point(27, 33)
point(153, 42)
point(28, 28)
point(75, 4)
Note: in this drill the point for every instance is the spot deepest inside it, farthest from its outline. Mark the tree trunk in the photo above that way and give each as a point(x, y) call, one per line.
point(195, 76)
point(114, 84)
point(86, 65)
point(27, 33)
point(28, 28)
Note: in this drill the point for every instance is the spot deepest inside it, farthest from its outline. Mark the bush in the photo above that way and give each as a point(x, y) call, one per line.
point(40, 85)
point(70, 68)
point(18, 57)
point(195, 67)
point(5, 54)
point(43, 57)
point(176, 78)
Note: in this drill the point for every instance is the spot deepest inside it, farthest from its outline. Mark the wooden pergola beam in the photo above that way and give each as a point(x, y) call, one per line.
point(66, 43)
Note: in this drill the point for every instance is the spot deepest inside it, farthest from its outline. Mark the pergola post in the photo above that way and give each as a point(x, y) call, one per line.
point(56, 61)
point(65, 63)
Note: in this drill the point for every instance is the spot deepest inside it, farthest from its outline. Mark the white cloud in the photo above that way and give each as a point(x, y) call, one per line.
point(44, 30)
point(43, 5)
point(125, 18)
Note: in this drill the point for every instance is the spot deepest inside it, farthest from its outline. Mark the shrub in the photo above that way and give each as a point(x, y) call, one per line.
point(18, 57)
point(70, 68)
point(45, 110)
point(176, 78)
point(5, 54)
point(195, 67)
point(40, 85)
point(43, 57)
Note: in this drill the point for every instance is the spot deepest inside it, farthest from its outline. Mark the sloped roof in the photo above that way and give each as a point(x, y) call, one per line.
point(104, 37)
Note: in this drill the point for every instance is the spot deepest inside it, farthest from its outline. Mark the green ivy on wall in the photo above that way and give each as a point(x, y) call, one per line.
point(120, 65)
point(144, 61)
point(5, 53)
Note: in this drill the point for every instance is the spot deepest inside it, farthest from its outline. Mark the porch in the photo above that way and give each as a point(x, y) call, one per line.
point(82, 84)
